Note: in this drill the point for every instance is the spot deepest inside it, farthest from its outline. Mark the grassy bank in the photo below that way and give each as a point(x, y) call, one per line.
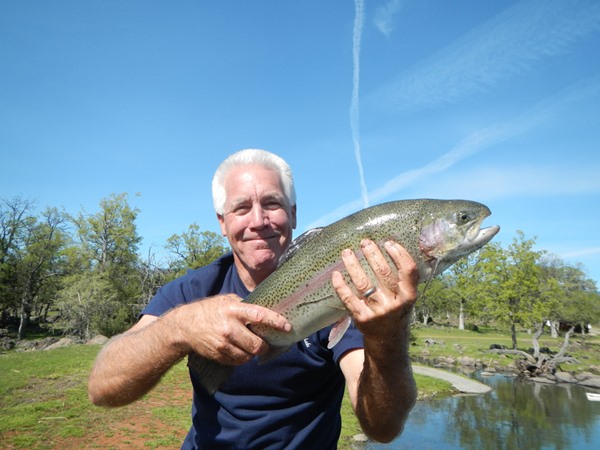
point(433, 342)
point(43, 399)
point(44, 405)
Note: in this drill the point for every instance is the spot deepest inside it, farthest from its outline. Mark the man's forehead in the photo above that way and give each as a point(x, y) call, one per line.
point(261, 196)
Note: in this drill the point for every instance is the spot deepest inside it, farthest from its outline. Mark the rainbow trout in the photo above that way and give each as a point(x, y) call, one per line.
point(436, 233)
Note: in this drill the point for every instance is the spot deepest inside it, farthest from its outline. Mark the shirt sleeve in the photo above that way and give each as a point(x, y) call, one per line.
point(351, 340)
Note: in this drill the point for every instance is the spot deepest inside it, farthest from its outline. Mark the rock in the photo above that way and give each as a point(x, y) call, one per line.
point(361, 438)
point(565, 377)
point(7, 343)
point(583, 376)
point(445, 361)
point(97, 340)
point(37, 344)
point(593, 381)
point(64, 342)
point(467, 361)
point(543, 380)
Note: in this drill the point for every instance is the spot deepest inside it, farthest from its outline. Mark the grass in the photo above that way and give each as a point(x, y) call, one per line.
point(476, 344)
point(44, 404)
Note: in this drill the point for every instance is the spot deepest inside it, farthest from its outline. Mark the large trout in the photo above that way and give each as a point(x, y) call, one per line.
point(436, 233)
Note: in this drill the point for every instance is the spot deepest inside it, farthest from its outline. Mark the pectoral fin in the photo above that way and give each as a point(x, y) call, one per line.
point(210, 373)
point(338, 330)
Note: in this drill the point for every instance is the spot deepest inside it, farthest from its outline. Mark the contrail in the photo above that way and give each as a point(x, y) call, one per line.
point(359, 6)
point(474, 143)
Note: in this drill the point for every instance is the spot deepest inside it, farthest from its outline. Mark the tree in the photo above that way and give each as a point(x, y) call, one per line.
point(576, 295)
point(511, 288)
point(31, 260)
point(109, 238)
point(15, 218)
point(193, 249)
point(89, 304)
point(109, 243)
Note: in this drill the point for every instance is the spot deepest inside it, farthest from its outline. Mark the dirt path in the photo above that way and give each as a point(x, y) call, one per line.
point(463, 384)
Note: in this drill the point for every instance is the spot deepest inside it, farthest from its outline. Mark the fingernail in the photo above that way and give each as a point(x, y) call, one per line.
point(391, 245)
point(347, 252)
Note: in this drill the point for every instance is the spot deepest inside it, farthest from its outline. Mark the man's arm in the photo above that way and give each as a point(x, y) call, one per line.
point(379, 378)
point(131, 364)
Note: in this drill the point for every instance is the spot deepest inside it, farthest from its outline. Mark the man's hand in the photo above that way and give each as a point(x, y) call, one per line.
point(379, 378)
point(217, 328)
point(391, 296)
point(132, 363)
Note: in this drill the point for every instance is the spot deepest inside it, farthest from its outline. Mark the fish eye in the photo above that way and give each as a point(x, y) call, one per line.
point(463, 217)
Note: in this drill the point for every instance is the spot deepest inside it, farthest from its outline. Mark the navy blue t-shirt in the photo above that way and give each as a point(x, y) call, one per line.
point(291, 402)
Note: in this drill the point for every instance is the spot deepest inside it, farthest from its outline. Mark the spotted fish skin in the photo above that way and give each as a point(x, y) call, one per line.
point(436, 233)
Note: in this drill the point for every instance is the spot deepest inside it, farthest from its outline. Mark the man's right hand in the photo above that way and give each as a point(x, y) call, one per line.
point(217, 328)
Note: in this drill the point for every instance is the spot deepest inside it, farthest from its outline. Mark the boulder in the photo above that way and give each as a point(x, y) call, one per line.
point(97, 340)
point(593, 381)
point(64, 342)
point(565, 377)
point(543, 380)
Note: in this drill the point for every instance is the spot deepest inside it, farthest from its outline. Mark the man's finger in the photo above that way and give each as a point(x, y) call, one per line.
point(258, 315)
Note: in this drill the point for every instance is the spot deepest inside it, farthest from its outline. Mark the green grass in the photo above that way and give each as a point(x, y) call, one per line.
point(476, 344)
point(44, 405)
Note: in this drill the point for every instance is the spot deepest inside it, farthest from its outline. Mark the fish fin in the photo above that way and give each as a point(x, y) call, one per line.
point(297, 243)
point(272, 353)
point(338, 330)
point(210, 373)
point(431, 276)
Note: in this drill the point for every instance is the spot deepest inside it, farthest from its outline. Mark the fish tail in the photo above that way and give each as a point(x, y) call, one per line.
point(211, 374)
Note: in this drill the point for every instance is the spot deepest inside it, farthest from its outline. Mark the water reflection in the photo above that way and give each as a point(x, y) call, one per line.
point(515, 415)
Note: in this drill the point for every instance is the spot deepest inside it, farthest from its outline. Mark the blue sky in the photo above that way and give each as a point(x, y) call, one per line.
point(369, 101)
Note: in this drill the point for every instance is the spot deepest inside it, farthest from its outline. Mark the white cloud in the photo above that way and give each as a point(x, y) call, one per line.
point(384, 16)
point(575, 254)
point(507, 45)
point(494, 182)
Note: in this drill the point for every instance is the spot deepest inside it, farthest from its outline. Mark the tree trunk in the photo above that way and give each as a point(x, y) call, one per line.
point(425, 319)
point(554, 329)
point(513, 332)
point(461, 317)
point(534, 339)
point(25, 311)
point(565, 345)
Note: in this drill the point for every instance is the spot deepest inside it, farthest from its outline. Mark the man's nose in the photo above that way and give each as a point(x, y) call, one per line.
point(259, 216)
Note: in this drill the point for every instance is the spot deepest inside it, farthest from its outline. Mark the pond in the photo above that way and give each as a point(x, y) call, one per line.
point(515, 415)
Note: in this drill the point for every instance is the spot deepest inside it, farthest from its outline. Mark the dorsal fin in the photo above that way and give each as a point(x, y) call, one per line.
point(297, 243)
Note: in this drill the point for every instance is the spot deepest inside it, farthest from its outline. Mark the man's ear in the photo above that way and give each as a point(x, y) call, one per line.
point(293, 218)
point(221, 220)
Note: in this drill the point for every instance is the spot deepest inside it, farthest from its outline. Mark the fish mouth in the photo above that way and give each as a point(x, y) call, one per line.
point(478, 237)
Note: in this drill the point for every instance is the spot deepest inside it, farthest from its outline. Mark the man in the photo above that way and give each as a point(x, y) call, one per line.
point(294, 400)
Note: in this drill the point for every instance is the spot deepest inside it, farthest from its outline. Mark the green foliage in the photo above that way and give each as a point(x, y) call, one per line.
point(193, 249)
point(91, 273)
point(512, 288)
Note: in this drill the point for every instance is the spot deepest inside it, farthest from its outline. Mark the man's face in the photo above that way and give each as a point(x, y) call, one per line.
point(257, 220)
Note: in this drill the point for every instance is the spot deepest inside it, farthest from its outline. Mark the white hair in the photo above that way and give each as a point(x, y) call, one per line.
point(248, 157)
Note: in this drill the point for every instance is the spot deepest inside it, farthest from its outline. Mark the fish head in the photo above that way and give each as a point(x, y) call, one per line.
point(450, 231)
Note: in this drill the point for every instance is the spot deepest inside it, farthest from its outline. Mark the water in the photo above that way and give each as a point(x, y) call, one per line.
point(515, 415)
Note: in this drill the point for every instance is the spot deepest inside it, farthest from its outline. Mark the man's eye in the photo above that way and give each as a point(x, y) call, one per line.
point(241, 209)
point(273, 205)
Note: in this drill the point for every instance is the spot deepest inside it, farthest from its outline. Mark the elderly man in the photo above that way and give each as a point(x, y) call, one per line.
point(292, 402)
